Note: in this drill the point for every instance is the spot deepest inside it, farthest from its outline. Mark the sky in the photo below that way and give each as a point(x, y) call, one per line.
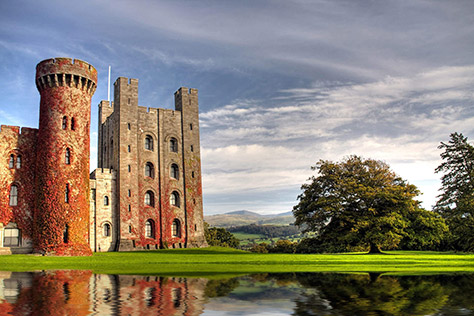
point(282, 83)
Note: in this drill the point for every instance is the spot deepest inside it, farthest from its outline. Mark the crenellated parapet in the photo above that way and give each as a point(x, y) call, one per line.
point(61, 72)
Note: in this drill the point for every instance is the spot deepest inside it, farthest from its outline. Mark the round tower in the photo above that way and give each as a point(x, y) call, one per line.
point(62, 208)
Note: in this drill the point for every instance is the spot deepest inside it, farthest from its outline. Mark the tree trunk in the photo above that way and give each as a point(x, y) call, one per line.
point(374, 249)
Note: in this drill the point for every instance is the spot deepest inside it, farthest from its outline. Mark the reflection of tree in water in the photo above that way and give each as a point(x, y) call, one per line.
point(338, 294)
point(217, 288)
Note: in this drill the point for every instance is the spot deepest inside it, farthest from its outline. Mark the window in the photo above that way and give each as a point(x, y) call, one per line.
point(129, 193)
point(149, 170)
point(129, 148)
point(12, 237)
point(192, 174)
point(73, 124)
point(18, 162)
point(175, 171)
point(129, 208)
point(191, 126)
point(13, 195)
point(106, 200)
point(66, 234)
point(149, 229)
point(64, 122)
point(129, 168)
point(129, 228)
point(192, 148)
point(128, 126)
point(68, 156)
point(149, 198)
point(176, 228)
point(11, 163)
point(107, 230)
point(148, 142)
point(174, 198)
point(173, 145)
point(66, 194)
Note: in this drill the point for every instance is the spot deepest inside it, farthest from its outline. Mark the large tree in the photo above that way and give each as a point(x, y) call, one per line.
point(356, 203)
point(456, 202)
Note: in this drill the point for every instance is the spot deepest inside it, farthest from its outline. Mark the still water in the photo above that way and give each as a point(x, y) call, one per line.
point(85, 293)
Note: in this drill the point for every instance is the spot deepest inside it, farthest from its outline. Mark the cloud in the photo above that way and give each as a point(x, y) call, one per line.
point(253, 146)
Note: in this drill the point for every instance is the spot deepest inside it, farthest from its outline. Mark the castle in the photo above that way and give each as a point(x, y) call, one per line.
point(146, 192)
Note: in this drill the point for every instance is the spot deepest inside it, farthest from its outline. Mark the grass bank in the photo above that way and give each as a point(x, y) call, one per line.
point(217, 261)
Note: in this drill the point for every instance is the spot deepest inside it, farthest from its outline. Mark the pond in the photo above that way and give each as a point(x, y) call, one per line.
point(85, 293)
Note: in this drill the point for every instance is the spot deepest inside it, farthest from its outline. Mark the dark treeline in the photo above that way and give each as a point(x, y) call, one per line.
point(269, 231)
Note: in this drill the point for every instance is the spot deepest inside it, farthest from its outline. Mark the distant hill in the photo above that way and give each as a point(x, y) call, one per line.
point(240, 218)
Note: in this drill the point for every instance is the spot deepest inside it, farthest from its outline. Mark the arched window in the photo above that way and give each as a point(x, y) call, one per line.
point(176, 228)
point(174, 198)
point(149, 198)
point(175, 171)
point(173, 145)
point(68, 156)
point(13, 195)
point(18, 162)
point(73, 124)
point(149, 142)
point(149, 170)
point(150, 229)
point(66, 194)
point(11, 162)
point(106, 200)
point(107, 231)
point(64, 122)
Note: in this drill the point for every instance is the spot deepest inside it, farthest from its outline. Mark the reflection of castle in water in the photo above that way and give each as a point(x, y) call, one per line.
point(62, 293)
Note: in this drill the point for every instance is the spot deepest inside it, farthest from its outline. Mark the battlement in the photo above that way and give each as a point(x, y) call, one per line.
point(102, 173)
point(126, 81)
point(8, 129)
point(74, 73)
point(184, 90)
point(147, 110)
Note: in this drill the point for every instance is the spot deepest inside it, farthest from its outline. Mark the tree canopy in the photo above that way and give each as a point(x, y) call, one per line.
point(456, 202)
point(360, 204)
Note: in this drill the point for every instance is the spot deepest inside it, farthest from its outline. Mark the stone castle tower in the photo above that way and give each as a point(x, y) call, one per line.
point(146, 193)
point(62, 163)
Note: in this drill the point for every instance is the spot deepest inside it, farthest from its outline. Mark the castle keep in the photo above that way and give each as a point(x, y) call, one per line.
point(146, 192)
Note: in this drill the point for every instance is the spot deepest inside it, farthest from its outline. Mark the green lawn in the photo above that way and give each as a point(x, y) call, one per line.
point(217, 261)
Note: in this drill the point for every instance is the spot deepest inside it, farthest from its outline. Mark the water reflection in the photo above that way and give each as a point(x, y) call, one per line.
point(85, 293)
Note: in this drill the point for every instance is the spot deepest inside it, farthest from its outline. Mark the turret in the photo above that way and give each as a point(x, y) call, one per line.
point(61, 216)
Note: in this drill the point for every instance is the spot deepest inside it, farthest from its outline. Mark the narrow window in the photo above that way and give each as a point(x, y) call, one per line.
point(66, 194)
point(174, 171)
point(173, 145)
point(192, 174)
point(18, 162)
point(73, 124)
point(129, 149)
point(149, 198)
point(174, 198)
point(129, 193)
point(175, 228)
point(129, 228)
point(191, 126)
point(106, 230)
point(13, 195)
point(66, 234)
point(149, 229)
point(128, 126)
point(106, 200)
point(11, 162)
point(68, 156)
point(149, 170)
point(129, 208)
point(64, 122)
point(192, 148)
point(129, 168)
point(148, 143)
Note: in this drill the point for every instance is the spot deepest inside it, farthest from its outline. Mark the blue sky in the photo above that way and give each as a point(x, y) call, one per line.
point(282, 83)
